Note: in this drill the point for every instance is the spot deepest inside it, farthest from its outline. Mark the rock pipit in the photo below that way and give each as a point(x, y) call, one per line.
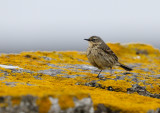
point(101, 56)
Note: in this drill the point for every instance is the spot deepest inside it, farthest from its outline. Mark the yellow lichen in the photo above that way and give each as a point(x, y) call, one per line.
point(65, 89)
point(15, 100)
point(44, 104)
point(66, 101)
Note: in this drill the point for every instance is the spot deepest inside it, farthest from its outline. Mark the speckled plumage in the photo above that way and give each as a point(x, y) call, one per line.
point(101, 56)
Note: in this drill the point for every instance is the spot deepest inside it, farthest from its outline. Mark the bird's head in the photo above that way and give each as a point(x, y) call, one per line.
point(94, 40)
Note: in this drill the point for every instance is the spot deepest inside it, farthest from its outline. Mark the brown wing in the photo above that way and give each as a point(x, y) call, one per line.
point(108, 51)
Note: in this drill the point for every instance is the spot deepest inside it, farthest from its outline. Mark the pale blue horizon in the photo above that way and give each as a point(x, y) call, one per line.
point(50, 25)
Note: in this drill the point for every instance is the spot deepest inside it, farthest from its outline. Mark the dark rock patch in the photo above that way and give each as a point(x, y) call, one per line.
point(110, 88)
point(97, 85)
point(94, 84)
point(144, 52)
point(30, 56)
point(2, 99)
point(154, 111)
point(101, 108)
point(141, 91)
point(126, 73)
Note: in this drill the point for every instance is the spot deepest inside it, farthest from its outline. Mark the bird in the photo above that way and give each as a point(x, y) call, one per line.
point(101, 56)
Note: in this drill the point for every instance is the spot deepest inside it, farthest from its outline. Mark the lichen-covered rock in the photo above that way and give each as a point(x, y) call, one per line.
point(142, 91)
point(65, 82)
point(24, 104)
point(101, 108)
point(31, 104)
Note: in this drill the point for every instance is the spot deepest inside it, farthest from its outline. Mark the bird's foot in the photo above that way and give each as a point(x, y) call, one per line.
point(100, 77)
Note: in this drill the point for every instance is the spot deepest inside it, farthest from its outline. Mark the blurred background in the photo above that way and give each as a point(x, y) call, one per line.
point(49, 25)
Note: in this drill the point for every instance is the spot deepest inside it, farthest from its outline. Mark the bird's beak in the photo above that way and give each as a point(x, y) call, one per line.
point(87, 39)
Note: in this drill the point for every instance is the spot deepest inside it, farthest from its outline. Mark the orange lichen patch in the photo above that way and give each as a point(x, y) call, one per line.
point(136, 53)
point(4, 70)
point(128, 102)
point(82, 95)
point(155, 88)
point(3, 104)
point(15, 100)
point(1, 74)
point(68, 57)
point(44, 104)
point(31, 63)
point(120, 85)
point(145, 48)
point(66, 101)
point(120, 50)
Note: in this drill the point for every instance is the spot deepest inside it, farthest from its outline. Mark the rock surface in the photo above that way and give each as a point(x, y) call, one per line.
point(28, 104)
point(65, 82)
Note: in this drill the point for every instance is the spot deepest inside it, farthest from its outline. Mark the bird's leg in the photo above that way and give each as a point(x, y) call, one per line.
point(99, 74)
point(111, 72)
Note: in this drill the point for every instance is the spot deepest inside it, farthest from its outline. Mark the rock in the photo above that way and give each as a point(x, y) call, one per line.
point(73, 76)
point(152, 111)
point(29, 84)
point(32, 57)
point(84, 105)
point(9, 67)
point(103, 109)
point(143, 81)
point(12, 84)
point(137, 88)
point(97, 85)
point(119, 78)
point(51, 72)
point(126, 73)
point(155, 76)
point(145, 69)
point(138, 52)
point(21, 70)
point(52, 65)
point(38, 77)
point(135, 80)
point(28, 104)
point(110, 88)
point(47, 58)
point(28, 56)
point(55, 108)
point(141, 91)
point(86, 67)
point(2, 78)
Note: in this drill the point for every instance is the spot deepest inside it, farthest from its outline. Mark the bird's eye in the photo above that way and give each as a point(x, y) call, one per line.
point(93, 40)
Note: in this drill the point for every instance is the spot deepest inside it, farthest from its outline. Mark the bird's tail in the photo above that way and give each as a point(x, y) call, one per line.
point(125, 67)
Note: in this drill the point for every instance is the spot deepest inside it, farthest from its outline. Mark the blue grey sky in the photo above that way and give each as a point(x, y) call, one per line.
point(63, 24)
